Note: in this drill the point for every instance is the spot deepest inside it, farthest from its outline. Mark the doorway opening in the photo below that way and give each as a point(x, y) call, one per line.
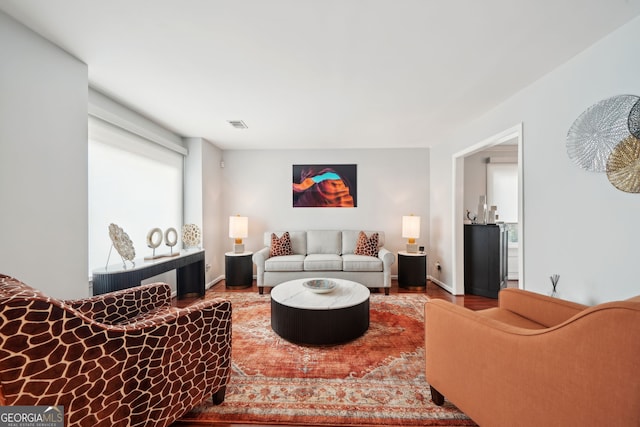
point(510, 136)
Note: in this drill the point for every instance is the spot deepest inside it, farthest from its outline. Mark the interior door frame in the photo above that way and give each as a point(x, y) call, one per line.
point(457, 222)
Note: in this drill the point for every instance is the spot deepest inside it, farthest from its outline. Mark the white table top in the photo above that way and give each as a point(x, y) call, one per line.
point(346, 294)
point(405, 253)
point(245, 253)
point(141, 263)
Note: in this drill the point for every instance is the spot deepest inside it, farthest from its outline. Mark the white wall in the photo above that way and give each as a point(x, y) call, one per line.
point(43, 163)
point(193, 212)
point(576, 224)
point(475, 181)
point(215, 234)
point(391, 183)
point(203, 202)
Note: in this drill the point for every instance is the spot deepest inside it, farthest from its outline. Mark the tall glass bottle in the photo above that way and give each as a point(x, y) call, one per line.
point(482, 210)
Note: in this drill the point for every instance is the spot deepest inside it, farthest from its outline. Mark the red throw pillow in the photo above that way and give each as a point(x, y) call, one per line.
point(367, 245)
point(280, 246)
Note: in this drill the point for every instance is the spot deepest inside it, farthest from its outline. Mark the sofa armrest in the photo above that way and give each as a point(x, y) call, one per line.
point(121, 306)
point(547, 311)
point(388, 258)
point(260, 256)
point(259, 259)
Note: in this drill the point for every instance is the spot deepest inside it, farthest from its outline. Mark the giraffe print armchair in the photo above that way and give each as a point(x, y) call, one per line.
point(127, 358)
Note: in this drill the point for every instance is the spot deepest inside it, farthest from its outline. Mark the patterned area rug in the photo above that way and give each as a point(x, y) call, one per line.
point(377, 379)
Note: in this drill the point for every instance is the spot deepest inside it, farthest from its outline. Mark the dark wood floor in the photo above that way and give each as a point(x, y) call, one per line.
point(472, 302)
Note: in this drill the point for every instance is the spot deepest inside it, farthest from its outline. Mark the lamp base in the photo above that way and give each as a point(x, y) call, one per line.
point(238, 248)
point(412, 248)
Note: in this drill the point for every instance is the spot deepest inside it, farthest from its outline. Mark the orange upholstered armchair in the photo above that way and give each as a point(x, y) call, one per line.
point(536, 361)
point(127, 358)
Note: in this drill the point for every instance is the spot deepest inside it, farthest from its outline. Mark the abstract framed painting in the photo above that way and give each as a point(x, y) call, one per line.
point(325, 186)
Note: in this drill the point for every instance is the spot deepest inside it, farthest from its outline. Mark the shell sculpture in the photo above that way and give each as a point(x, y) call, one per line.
point(191, 235)
point(122, 242)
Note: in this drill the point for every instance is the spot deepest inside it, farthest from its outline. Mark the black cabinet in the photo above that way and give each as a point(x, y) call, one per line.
point(485, 259)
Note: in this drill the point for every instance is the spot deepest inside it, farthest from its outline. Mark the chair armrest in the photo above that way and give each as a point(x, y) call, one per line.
point(174, 314)
point(120, 306)
point(182, 353)
point(547, 311)
point(475, 361)
point(453, 336)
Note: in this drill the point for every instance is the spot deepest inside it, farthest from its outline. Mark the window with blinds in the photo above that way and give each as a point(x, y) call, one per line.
point(134, 183)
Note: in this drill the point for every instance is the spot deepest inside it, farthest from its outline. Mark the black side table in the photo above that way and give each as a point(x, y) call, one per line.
point(412, 270)
point(238, 268)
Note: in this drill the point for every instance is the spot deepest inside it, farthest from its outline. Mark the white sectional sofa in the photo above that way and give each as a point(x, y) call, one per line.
point(326, 254)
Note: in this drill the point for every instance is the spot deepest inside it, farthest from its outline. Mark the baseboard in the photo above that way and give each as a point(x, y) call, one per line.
point(214, 281)
point(441, 284)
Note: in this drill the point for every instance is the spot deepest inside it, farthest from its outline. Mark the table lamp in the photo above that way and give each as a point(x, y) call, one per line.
point(238, 230)
point(411, 231)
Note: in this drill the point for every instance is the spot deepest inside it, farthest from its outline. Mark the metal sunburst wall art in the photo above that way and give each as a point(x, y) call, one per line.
point(605, 138)
point(623, 165)
point(634, 120)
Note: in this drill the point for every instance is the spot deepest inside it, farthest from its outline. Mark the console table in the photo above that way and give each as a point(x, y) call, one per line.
point(189, 266)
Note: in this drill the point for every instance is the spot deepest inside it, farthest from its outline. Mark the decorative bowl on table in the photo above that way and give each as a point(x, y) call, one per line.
point(320, 286)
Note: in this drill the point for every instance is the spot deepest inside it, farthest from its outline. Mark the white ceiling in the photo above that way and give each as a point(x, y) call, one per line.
point(319, 73)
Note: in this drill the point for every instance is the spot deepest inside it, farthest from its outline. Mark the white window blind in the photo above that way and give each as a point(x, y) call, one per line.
point(134, 183)
point(502, 190)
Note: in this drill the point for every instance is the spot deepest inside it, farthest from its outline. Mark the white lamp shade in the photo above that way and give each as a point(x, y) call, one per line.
point(238, 227)
point(411, 227)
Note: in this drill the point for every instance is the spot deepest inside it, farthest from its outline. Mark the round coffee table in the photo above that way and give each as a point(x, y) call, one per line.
point(304, 317)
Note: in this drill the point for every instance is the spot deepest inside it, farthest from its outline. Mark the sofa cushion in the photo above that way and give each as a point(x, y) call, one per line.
point(367, 245)
point(323, 262)
point(351, 262)
point(324, 242)
point(280, 245)
point(285, 263)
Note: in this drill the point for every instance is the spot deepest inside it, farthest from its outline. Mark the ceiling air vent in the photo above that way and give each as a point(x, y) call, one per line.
point(238, 124)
